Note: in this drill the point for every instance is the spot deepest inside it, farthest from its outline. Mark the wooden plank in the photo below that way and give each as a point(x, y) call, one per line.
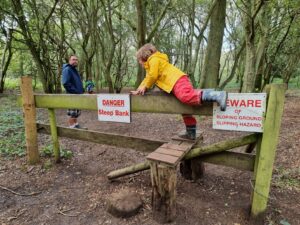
point(187, 145)
point(183, 147)
point(171, 152)
point(175, 142)
point(177, 138)
point(29, 120)
point(154, 156)
point(268, 147)
point(148, 103)
point(177, 147)
point(122, 141)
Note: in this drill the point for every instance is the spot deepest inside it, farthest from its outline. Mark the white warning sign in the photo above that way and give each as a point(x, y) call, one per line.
point(244, 112)
point(114, 107)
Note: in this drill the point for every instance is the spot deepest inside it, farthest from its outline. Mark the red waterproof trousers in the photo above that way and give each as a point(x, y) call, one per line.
point(185, 92)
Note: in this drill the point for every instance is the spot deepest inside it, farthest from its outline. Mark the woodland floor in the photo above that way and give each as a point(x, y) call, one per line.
point(76, 190)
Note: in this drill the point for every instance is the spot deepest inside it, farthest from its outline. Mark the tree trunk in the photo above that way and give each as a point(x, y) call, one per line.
point(264, 22)
point(250, 60)
point(61, 52)
point(260, 62)
point(249, 73)
point(98, 75)
point(36, 50)
point(199, 38)
point(5, 61)
point(210, 74)
point(107, 69)
point(141, 35)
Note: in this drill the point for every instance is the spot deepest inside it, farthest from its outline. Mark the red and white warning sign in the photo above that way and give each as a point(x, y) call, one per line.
point(114, 107)
point(244, 112)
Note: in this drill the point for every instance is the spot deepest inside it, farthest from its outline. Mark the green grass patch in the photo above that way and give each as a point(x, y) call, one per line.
point(14, 84)
point(12, 132)
point(12, 136)
point(47, 151)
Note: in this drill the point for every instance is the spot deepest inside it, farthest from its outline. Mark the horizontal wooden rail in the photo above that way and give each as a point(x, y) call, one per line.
point(237, 160)
point(215, 148)
point(122, 141)
point(149, 103)
point(241, 161)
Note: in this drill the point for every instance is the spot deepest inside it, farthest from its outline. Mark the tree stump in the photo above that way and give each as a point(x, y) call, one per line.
point(124, 203)
point(164, 181)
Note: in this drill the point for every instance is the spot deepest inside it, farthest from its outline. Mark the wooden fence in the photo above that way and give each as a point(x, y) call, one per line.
point(261, 163)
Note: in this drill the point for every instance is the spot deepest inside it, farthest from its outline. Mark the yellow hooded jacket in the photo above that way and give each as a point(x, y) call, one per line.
point(160, 72)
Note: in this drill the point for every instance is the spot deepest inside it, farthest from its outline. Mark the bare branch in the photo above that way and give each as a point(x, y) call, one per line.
point(156, 25)
point(20, 194)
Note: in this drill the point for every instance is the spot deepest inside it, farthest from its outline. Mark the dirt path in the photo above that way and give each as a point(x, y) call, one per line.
point(76, 190)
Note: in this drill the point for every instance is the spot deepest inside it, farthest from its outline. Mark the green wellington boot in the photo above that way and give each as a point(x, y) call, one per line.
point(190, 133)
point(210, 95)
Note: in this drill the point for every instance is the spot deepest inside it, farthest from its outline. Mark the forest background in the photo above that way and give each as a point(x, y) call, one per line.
point(221, 43)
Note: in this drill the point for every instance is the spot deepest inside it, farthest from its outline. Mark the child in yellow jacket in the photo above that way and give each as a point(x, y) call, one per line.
point(172, 80)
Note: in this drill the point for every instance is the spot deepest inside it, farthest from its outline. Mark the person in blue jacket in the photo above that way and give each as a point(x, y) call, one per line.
point(71, 81)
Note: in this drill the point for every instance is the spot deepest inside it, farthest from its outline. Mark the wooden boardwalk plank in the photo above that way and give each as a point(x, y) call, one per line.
point(174, 151)
point(162, 158)
point(177, 147)
point(169, 152)
point(187, 145)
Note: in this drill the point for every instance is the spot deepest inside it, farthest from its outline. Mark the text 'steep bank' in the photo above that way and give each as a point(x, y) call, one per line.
point(245, 112)
point(114, 107)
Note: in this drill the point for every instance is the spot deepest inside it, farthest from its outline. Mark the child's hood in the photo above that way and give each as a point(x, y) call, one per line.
point(160, 55)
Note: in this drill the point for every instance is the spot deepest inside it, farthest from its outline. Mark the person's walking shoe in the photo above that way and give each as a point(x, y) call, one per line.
point(190, 133)
point(77, 126)
point(210, 95)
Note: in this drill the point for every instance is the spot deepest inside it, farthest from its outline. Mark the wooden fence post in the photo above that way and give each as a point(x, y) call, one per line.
point(28, 104)
point(164, 179)
point(53, 128)
point(266, 150)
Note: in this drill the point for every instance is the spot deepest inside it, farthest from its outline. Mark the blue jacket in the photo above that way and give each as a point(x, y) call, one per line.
point(71, 80)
